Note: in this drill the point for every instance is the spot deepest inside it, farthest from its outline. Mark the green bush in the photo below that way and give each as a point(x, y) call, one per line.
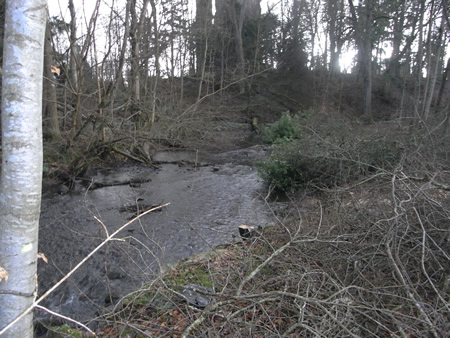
point(284, 130)
point(297, 164)
point(327, 158)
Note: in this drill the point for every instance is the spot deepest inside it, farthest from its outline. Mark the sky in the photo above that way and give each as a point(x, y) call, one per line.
point(60, 6)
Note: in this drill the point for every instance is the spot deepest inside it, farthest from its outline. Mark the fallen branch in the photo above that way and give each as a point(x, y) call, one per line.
point(267, 261)
point(410, 293)
point(128, 155)
point(261, 266)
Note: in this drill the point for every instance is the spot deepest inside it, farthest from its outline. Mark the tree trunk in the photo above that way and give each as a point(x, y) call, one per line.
point(444, 82)
point(434, 59)
point(367, 55)
point(74, 72)
point(50, 110)
point(78, 57)
point(336, 13)
point(236, 14)
point(297, 9)
point(397, 38)
point(230, 18)
point(21, 177)
point(419, 61)
point(203, 25)
point(334, 56)
point(135, 37)
point(157, 66)
point(112, 87)
point(363, 38)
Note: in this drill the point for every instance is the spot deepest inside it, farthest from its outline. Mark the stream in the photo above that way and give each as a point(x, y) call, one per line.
point(210, 195)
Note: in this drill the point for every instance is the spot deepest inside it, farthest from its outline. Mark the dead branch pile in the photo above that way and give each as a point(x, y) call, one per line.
point(370, 260)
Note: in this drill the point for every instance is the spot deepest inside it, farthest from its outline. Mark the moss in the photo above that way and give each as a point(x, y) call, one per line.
point(188, 272)
point(66, 331)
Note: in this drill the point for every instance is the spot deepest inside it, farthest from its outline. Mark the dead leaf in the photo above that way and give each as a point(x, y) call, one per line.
point(56, 70)
point(107, 330)
point(3, 274)
point(42, 256)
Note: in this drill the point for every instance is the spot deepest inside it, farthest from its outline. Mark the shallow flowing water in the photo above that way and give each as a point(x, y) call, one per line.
point(209, 196)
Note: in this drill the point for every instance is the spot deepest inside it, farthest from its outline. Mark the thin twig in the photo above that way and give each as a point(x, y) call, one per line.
point(261, 266)
point(408, 290)
point(66, 318)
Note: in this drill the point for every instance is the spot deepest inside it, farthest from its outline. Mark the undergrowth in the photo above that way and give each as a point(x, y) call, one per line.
point(367, 257)
point(366, 261)
point(306, 154)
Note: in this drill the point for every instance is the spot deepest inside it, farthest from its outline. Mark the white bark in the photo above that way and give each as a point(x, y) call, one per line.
point(21, 175)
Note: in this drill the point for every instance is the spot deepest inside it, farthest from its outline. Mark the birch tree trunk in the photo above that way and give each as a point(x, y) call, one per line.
point(21, 175)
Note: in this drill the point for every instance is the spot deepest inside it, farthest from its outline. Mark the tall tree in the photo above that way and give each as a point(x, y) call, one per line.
point(231, 15)
point(312, 21)
point(78, 64)
point(397, 38)
point(418, 66)
point(336, 27)
point(444, 82)
point(434, 59)
point(156, 41)
point(50, 111)
point(292, 53)
point(136, 28)
point(362, 25)
point(202, 29)
point(74, 49)
point(21, 175)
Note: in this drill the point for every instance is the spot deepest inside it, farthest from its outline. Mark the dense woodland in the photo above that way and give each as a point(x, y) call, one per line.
point(139, 60)
point(353, 98)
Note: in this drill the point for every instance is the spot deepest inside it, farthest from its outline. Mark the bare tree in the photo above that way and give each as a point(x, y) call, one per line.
point(362, 25)
point(444, 82)
point(50, 111)
point(202, 29)
point(335, 16)
point(230, 17)
point(154, 25)
point(78, 57)
point(136, 29)
point(434, 58)
point(21, 180)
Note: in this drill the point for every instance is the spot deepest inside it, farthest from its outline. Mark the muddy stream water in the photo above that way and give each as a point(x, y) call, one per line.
point(210, 195)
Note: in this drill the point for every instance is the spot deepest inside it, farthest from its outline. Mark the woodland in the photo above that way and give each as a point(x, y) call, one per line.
point(351, 99)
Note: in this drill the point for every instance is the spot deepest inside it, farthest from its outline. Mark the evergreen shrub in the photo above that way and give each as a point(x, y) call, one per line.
point(323, 157)
point(284, 130)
